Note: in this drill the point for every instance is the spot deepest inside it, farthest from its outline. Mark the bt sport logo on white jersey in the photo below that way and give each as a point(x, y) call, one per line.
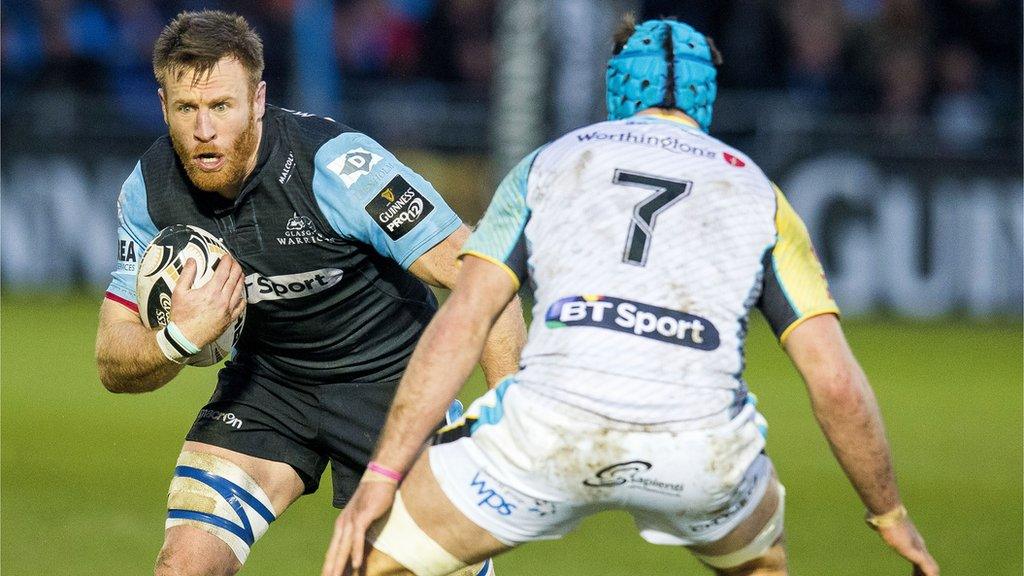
point(636, 318)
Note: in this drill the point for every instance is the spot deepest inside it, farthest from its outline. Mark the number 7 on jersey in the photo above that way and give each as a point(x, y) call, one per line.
point(666, 193)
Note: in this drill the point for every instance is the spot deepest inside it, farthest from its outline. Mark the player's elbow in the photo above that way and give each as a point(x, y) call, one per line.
point(112, 378)
point(109, 377)
point(843, 387)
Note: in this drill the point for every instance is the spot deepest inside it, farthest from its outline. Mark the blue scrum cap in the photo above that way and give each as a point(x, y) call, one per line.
point(664, 63)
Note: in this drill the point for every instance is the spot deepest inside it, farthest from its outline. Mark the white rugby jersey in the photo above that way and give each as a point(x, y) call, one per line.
point(647, 243)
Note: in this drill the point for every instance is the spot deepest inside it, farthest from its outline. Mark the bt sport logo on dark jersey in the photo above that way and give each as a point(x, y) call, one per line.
point(398, 208)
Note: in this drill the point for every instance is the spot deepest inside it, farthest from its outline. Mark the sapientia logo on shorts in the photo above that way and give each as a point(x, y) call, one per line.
point(635, 318)
point(628, 473)
point(398, 208)
point(287, 286)
point(226, 417)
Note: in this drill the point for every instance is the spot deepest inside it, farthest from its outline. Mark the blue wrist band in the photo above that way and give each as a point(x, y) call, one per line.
point(178, 340)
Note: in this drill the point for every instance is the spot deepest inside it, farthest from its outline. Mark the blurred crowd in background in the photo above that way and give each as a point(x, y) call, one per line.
point(895, 126)
point(957, 61)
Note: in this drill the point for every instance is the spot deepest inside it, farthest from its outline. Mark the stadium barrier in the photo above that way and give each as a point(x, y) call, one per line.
point(906, 229)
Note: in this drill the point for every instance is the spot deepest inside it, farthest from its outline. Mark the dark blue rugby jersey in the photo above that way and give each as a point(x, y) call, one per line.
point(325, 229)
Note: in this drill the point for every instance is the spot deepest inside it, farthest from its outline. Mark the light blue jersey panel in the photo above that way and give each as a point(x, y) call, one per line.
point(499, 236)
point(368, 195)
point(135, 231)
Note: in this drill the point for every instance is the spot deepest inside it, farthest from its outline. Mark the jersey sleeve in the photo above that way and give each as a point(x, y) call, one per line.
point(366, 194)
point(499, 238)
point(794, 286)
point(135, 230)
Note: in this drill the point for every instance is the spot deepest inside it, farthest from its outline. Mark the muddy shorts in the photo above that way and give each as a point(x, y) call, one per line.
point(527, 467)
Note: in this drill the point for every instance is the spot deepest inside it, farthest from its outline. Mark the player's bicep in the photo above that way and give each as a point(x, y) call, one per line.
point(500, 237)
point(115, 322)
point(817, 345)
point(794, 288)
point(819, 351)
point(483, 289)
point(439, 266)
point(369, 195)
point(112, 313)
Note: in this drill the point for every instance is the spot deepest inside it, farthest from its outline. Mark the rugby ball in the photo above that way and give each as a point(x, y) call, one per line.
point(161, 265)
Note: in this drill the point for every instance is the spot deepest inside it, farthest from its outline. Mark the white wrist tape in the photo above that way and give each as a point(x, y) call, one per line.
point(175, 346)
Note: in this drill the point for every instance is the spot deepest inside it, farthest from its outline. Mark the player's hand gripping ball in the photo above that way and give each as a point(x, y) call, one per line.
point(161, 266)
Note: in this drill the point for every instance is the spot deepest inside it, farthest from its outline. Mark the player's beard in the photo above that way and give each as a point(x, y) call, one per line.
point(227, 180)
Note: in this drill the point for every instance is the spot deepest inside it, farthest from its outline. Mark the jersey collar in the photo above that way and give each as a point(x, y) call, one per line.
point(690, 122)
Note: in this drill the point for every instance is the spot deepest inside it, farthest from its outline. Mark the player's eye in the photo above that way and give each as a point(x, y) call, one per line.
point(185, 108)
point(220, 107)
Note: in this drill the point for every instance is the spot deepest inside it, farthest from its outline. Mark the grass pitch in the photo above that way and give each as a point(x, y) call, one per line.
point(84, 473)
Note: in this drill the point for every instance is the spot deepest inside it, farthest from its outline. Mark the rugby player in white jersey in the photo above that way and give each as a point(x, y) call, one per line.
point(647, 243)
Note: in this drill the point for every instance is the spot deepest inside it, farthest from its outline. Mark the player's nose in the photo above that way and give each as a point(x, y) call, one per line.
point(204, 130)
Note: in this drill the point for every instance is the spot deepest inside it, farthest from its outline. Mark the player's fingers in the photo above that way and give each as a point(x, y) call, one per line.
point(344, 549)
point(237, 301)
point(331, 560)
point(187, 276)
point(221, 274)
point(235, 274)
point(918, 555)
point(357, 537)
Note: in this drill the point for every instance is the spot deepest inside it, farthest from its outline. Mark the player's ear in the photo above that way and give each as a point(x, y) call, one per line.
point(163, 104)
point(259, 100)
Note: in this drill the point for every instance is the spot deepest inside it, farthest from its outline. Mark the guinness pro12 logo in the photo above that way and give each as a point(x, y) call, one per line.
point(398, 208)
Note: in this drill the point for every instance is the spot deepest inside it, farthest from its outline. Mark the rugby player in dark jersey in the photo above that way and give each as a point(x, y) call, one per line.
point(333, 242)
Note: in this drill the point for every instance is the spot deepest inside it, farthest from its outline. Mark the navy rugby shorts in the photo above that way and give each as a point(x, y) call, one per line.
point(303, 426)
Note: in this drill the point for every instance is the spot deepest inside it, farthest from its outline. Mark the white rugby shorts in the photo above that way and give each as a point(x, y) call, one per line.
point(533, 467)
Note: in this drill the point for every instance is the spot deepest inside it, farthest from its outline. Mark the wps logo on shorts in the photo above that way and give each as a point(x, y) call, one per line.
point(353, 165)
point(398, 208)
point(489, 497)
point(635, 318)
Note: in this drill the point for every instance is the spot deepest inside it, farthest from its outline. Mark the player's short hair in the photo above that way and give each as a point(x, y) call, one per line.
point(196, 41)
point(627, 25)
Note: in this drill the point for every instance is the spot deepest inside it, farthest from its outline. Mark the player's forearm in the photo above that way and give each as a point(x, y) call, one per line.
point(129, 359)
point(504, 343)
point(443, 360)
point(848, 414)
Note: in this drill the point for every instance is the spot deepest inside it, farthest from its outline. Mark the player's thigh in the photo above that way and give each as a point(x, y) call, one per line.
point(281, 483)
point(430, 507)
point(749, 528)
point(219, 503)
point(755, 545)
point(424, 532)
